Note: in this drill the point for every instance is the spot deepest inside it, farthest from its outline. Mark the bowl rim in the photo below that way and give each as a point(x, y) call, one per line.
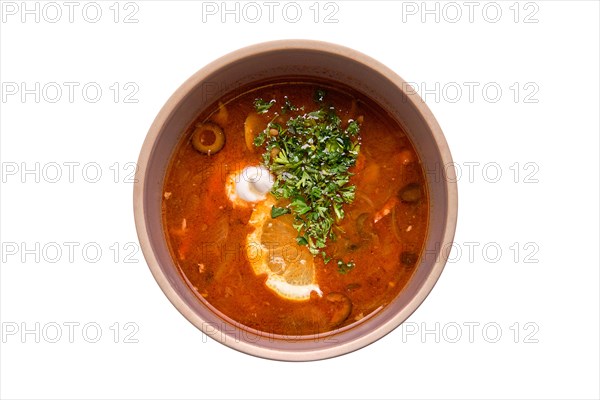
point(303, 45)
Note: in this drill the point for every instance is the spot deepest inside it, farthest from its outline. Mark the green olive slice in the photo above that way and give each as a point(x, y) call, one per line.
point(208, 138)
point(342, 307)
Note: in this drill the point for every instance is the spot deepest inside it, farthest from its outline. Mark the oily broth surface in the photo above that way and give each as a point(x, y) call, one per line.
point(206, 234)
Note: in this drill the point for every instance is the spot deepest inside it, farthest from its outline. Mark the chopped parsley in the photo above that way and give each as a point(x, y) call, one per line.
point(288, 106)
point(344, 268)
point(262, 106)
point(310, 157)
point(279, 211)
point(319, 96)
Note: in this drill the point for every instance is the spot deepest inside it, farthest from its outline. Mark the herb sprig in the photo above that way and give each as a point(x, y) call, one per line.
point(310, 157)
point(345, 267)
point(262, 106)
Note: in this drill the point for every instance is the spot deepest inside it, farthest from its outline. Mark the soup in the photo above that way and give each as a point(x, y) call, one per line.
point(295, 207)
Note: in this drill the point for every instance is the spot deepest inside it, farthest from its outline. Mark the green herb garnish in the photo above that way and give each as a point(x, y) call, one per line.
point(279, 211)
point(344, 268)
point(310, 158)
point(288, 106)
point(262, 106)
point(319, 96)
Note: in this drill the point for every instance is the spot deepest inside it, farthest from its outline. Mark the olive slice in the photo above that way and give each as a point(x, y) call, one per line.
point(411, 193)
point(343, 307)
point(408, 258)
point(208, 138)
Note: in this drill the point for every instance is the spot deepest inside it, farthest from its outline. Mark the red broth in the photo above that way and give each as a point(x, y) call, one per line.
point(207, 234)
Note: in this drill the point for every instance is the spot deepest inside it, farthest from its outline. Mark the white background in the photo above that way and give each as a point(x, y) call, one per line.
point(547, 311)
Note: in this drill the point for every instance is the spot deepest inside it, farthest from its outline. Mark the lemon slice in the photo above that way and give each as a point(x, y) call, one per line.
point(271, 249)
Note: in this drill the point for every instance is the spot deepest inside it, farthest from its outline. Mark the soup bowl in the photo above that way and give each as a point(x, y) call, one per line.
point(322, 61)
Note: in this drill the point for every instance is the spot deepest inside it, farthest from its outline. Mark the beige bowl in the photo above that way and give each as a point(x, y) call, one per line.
point(272, 60)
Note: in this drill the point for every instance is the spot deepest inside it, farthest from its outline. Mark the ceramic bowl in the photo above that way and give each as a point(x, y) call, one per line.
point(310, 59)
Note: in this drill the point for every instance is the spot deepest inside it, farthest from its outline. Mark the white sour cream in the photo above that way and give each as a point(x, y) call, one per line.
point(250, 185)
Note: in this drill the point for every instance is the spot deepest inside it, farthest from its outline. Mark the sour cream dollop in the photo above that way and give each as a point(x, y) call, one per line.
point(250, 185)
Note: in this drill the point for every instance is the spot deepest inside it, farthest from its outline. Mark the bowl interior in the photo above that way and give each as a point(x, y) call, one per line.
point(271, 61)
